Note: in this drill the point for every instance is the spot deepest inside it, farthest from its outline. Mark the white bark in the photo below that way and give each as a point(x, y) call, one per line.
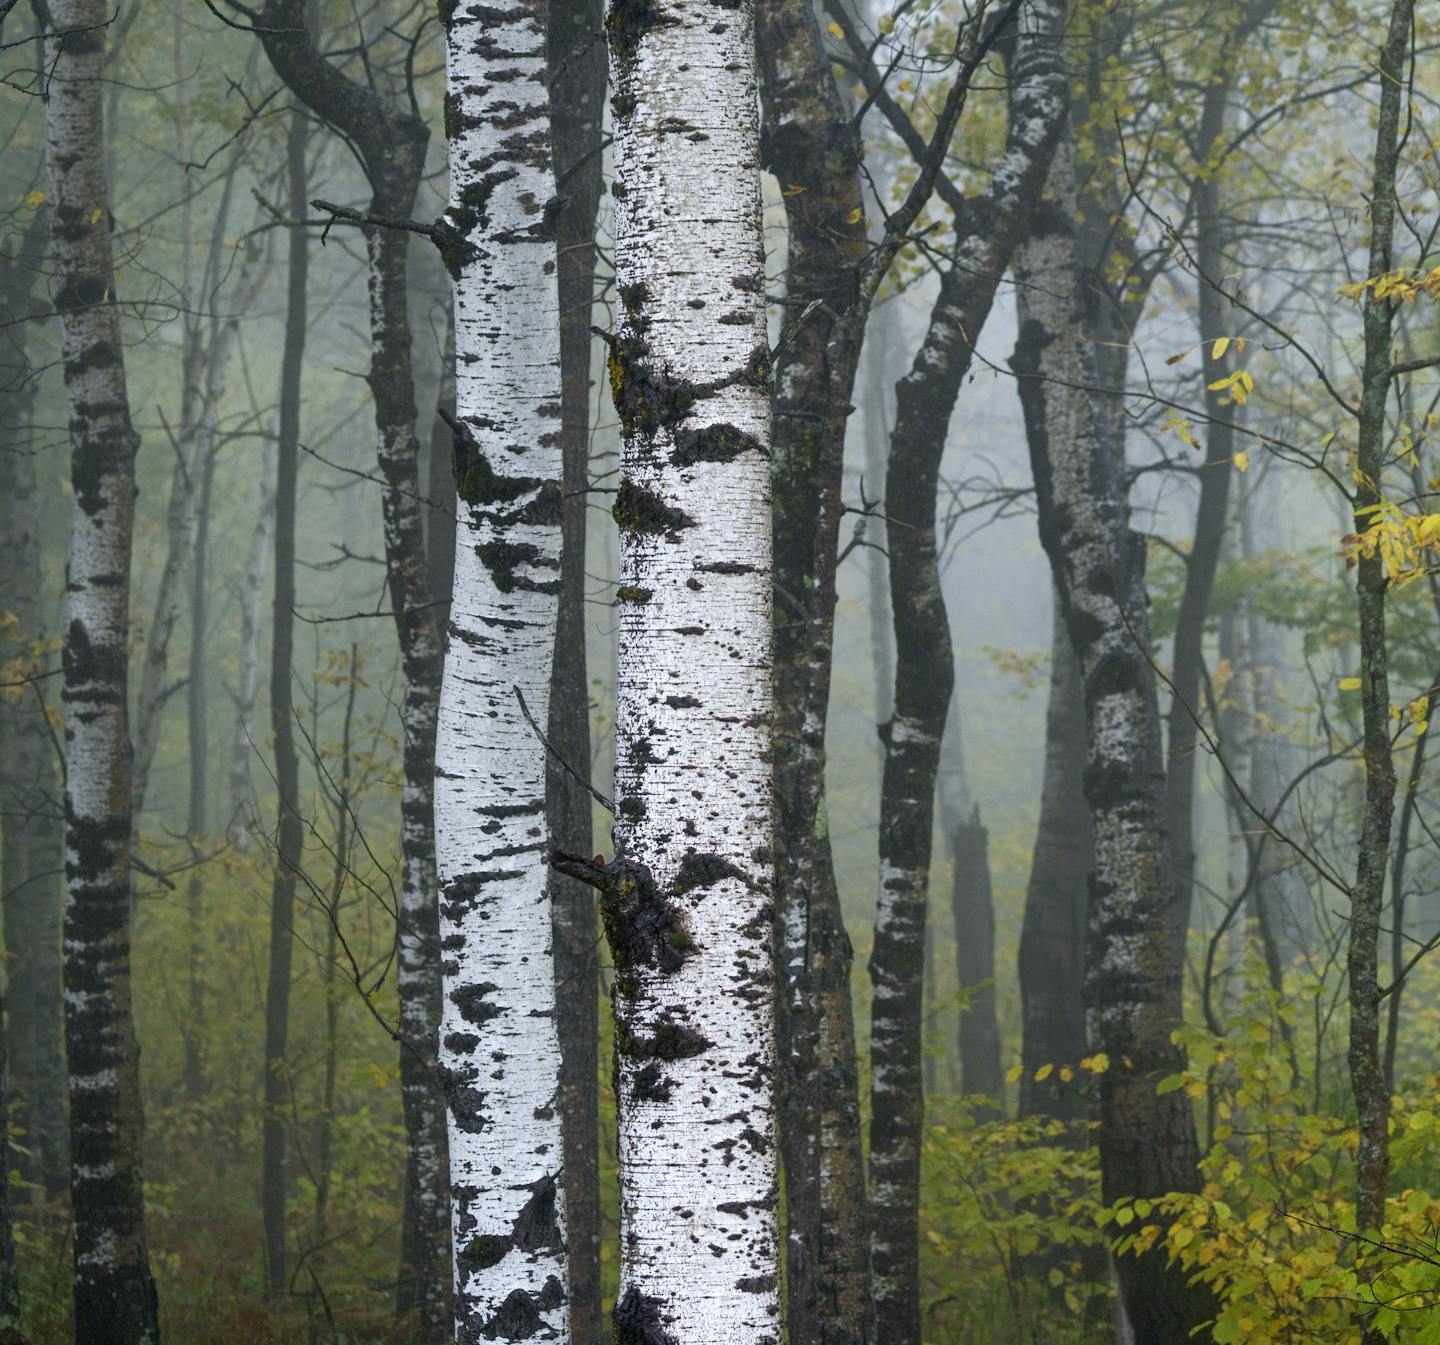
point(689, 916)
point(114, 1292)
point(499, 1050)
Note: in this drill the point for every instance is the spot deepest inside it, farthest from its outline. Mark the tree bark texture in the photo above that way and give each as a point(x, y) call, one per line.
point(390, 140)
point(499, 1043)
point(577, 91)
point(924, 663)
point(812, 145)
point(1147, 1142)
point(289, 824)
point(687, 902)
point(31, 813)
point(115, 1301)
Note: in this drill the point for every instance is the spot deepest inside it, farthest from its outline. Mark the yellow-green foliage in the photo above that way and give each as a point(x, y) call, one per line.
point(1273, 1229)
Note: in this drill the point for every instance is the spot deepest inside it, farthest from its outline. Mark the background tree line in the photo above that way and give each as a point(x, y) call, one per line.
point(1049, 383)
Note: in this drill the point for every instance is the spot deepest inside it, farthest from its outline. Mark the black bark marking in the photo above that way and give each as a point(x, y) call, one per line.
point(473, 1003)
point(637, 1321)
point(639, 510)
point(713, 443)
point(704, 870)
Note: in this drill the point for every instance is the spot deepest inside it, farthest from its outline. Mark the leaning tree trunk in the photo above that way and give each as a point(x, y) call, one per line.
point(687, 897)
point(115, 1299)
point(390, 140)
point(506, 1143)
point(1147, 1142)
point(1052, 935)
point(289, 827)
point(812, 145)
point(577, 90)
point(31, 815)
point(924, 663)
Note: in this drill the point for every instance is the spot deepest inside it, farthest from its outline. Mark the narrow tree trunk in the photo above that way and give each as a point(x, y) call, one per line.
point(390, 140)
point(924, 663)
point(1052, 937)
point(506, 1141)
point(687, 900)
point(577, 91)
point(290, 834)
point(243, 744)
point(31, 814)
point(114, 1293)
point(197, 818)
point(1203, 558)
point(1367, 1075)
point(1147, 1142)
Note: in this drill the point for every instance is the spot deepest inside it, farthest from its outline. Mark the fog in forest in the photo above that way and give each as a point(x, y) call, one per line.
point(697, 671)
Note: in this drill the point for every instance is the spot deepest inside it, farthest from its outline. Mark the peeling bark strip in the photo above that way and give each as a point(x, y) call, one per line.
point(688, 912)
point(924, 662)
point(499, 1048)
point(1133, 975)
point(114, 1292)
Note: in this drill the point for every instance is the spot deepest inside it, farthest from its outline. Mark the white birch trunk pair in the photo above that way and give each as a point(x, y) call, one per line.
point(686, 899)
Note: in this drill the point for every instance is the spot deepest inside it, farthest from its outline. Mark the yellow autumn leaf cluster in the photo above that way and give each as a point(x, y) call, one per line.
point(1401, 287)
point(1401, 541)
point(1239, 385)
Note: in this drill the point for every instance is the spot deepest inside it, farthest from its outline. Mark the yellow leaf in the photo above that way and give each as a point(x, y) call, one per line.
point(1043, 1073)
point(1349, 684)
point(1239, 345)
point(834, 29)
point(1219, 347)
point(1012, 1075)
point(1066, 1073)
point(854, 216)
point(95, 215)
point(1242, 461)
point(887, 23)
point(1096, 1064)
point(35, 198)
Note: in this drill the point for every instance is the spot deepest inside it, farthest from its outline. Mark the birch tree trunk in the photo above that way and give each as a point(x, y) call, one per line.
point(924, 666)
point(1147, 1142)
point(390, 141)
point(499, 1046)
point(577, 90)
point(31, 812)
point(115, 1299)
point(687, 899)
